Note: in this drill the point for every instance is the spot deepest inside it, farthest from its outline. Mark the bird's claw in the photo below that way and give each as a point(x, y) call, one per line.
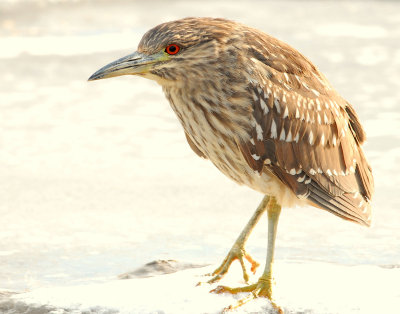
point(225, 289)
point(261, 289)
point(236, 253)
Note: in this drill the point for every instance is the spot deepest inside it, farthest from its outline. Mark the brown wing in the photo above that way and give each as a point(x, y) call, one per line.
point(307, 135)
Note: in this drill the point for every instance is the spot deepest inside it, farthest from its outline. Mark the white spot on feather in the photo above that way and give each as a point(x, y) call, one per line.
point(311, 138)
point(313, 172)
point(252, 141)
point(307, 181)
point(292, 171)
point(316, 93)
point(319, 118)
point(322, 138)
point(286, 77)
point(318, 104)
point(301, 179)
point(259, 132)
point(334, 140)
point(297, 113)
point(267, 161)
point(264, 106)
point(296, 138)
point(336, 105)
point(277, 106)
point(286, 112)
point(305, 85)
point(289, 136)
point(328, 172)
point(274, 133)
point(255, 156)
point(326, 118)
point(282, 137)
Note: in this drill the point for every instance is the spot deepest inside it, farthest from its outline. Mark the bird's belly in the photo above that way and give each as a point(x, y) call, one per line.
point(232, 164)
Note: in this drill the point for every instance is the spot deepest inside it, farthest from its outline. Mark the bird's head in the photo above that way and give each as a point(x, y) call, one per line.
point(176, 51)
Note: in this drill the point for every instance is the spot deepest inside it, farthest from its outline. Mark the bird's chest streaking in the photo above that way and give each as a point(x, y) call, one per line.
point(212, 133)
point(207, 130)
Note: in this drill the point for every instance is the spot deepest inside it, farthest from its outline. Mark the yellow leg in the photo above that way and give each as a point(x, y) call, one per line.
point(238, 251)
point(263, 288)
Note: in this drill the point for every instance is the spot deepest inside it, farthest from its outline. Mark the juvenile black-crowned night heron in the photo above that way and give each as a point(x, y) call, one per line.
point(265, 116)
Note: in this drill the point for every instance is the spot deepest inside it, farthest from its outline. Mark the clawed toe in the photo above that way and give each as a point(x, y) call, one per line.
point(236, 253)
point(261, 289)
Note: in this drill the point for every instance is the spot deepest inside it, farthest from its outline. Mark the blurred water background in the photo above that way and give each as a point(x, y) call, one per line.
point(97, 178)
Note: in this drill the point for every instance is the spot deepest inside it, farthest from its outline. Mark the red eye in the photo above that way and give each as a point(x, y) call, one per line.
point(172, 49)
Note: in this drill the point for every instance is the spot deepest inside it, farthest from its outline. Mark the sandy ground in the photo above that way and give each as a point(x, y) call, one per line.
point(97, 178)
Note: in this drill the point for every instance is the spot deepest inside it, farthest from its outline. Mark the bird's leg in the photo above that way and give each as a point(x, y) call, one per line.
point(263, 288)
point(238, 251)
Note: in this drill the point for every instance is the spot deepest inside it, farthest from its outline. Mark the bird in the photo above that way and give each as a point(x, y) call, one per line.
point(265, 116)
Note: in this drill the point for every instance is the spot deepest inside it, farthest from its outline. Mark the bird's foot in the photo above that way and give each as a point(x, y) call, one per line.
point(237, 252)
point(263, 288)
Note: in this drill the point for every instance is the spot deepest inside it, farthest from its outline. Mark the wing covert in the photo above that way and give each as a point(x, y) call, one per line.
point(312, 144)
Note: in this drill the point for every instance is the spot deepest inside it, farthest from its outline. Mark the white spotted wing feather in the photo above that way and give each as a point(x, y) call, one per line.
point(311, 135)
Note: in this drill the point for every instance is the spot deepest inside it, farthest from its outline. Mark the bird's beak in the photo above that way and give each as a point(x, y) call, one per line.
point(135, 63)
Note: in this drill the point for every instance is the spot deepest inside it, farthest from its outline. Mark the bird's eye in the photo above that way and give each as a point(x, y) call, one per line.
point(172, 49)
